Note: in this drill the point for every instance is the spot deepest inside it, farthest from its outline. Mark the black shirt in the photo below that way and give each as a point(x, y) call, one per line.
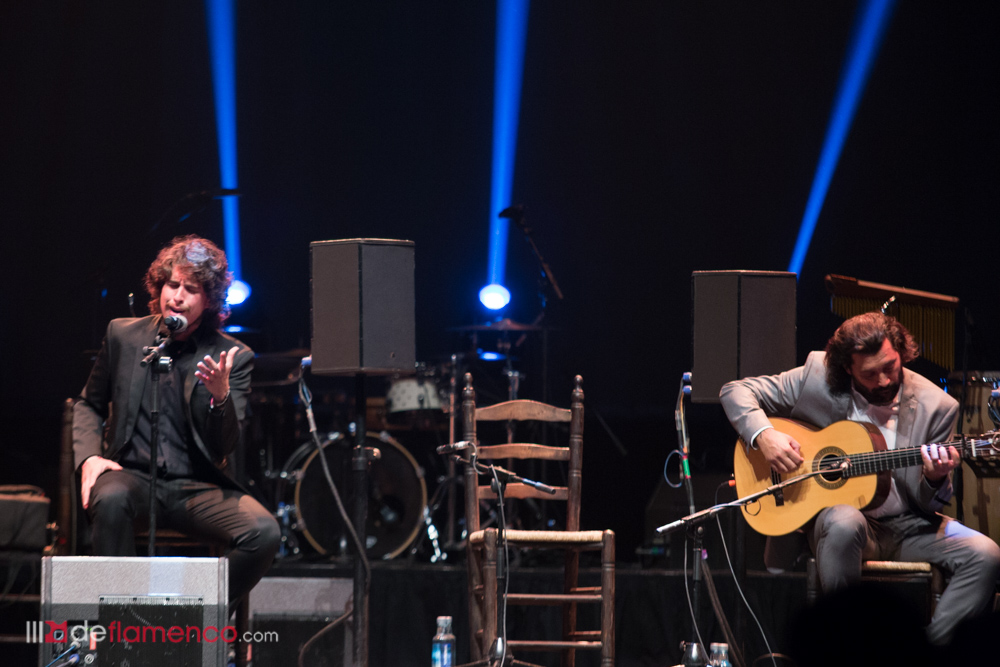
point(175, 441)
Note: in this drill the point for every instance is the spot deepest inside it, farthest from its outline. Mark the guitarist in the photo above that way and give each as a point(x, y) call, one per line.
point(860, 377)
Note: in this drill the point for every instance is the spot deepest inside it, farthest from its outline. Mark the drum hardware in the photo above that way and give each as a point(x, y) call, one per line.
point(397, 497)
point(443, 493)
point(506, 324)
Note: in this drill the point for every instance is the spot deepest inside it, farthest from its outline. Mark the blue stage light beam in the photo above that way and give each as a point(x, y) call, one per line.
point(512, 28)
point(873, 17)
point(222, 42)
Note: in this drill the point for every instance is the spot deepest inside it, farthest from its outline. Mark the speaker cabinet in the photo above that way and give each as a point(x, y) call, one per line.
point(362, 307)
point(286, 612)
point(141, 611)
point(744, 325)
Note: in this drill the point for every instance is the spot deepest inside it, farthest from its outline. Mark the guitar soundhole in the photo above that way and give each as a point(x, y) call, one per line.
point(830, 459)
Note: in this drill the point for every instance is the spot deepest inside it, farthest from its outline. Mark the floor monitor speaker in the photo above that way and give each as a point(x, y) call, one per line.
point(155, 612)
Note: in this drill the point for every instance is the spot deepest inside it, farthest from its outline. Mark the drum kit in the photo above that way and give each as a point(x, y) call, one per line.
point(419, 409)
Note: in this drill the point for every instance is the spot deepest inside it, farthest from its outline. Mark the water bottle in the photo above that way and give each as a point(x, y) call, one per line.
point(443, 644)
point(693, 654)
point(719, 656)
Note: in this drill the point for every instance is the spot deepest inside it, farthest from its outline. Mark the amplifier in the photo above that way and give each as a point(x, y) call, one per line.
point(140, 611)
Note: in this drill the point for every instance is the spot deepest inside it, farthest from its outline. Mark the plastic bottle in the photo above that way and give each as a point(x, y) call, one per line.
point(693, 654)
point(443, 644)
point(719, 656)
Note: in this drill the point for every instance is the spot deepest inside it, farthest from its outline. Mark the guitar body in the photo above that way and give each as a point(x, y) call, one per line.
point(803, 501)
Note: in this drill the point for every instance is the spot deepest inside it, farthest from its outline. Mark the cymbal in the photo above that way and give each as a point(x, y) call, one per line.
point(505, 324)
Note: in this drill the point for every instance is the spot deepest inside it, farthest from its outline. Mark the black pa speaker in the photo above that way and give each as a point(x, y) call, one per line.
point(362, 307)
point(744, 325)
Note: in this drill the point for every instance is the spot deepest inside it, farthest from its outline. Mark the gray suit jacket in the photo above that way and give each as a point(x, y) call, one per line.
point(926, 415)
point(105, 413)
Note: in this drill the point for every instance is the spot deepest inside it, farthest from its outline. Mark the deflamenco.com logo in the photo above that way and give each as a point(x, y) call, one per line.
point(51, 632)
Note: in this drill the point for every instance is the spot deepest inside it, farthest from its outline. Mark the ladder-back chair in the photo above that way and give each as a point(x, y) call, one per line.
point(483, 544)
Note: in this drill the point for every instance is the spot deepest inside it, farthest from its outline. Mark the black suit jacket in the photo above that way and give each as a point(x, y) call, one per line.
point(105, 413)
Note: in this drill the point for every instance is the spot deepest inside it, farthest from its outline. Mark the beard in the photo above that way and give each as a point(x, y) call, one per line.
point(880, 396)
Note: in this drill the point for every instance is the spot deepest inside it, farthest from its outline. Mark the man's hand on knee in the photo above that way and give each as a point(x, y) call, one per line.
point(90, 471)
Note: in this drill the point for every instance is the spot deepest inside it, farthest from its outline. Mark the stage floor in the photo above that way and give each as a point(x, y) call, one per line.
point(651, 610)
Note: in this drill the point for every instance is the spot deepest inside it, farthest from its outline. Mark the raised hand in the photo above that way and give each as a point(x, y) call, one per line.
point(215, 374)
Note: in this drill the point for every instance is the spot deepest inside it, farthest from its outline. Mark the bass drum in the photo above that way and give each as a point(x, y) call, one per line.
point(397, 496)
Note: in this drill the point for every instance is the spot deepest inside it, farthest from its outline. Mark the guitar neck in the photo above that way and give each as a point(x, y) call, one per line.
point(871, 463)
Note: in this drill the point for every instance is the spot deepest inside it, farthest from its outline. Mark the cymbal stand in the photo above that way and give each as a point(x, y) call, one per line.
point(450, 481)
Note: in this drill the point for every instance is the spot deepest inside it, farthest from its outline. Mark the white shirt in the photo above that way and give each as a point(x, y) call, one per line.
point(886, 417)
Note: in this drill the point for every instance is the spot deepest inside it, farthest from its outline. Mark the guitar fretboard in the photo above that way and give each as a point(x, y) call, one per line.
point(870, 463)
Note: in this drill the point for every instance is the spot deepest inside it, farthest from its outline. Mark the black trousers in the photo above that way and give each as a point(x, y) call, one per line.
point(119, 505)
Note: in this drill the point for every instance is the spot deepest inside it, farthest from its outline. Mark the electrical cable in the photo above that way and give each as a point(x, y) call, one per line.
point(666, 478)
point(306, 397)
point(316, 637)
point(736, 582)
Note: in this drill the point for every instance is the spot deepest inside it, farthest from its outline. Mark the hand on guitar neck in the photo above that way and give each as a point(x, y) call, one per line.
point(939, 460)
point(784, 454)
point(780, 450)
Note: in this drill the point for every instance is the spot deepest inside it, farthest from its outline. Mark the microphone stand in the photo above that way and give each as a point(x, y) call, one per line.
point(157, 362)
point(516, 213)
point(683, 447)
point(705, 514)
point(499, 654)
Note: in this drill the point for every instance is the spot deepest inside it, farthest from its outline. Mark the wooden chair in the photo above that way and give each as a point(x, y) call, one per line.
point(887, 571)
point(483, 545)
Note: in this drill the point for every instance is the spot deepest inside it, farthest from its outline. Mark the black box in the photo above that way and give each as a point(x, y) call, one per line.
point(362, 307)
point(744, 326)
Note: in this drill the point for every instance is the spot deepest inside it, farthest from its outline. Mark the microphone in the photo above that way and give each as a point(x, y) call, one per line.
point(457, 447)
point(176, 323)
point(514, 212)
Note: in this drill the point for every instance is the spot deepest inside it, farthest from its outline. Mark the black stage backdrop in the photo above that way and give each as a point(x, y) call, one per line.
point(656, 138)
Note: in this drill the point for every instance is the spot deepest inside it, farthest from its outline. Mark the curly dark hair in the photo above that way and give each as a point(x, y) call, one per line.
point(207, 264)
point(864, 334)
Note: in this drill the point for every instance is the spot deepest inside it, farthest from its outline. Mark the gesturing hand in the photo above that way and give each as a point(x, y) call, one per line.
point(215, 375)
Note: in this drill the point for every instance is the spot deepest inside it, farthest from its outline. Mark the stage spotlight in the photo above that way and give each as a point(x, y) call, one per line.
point(512, 28)
point(873, 16)
point(221, 19)
point(238, 293)
point(494, 296)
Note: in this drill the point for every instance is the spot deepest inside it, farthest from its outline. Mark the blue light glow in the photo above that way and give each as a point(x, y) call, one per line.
point(873, 16)
point(222, 42)
point(238, 292)
point(494, 296)
point(512, 28)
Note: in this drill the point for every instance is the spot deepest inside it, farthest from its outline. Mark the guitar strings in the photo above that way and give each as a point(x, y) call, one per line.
point(872, 462)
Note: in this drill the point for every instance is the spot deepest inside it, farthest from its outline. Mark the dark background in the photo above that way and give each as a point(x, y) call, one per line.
point(656, 139)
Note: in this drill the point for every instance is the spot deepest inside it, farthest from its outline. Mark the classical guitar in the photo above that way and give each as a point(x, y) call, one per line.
point(858, 465)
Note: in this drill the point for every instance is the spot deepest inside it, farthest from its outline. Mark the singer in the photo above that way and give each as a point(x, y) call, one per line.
point(202, 407)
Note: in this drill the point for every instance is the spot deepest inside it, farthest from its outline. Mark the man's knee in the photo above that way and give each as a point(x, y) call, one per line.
point(842, 524)
point(263, 535)
point(985, 555)
point(270, 534)
point(112, 495)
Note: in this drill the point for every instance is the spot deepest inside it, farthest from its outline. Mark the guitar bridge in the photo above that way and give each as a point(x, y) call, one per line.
point(779, 494)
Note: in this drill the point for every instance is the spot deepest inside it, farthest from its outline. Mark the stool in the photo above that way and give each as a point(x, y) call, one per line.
point(887, 571)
